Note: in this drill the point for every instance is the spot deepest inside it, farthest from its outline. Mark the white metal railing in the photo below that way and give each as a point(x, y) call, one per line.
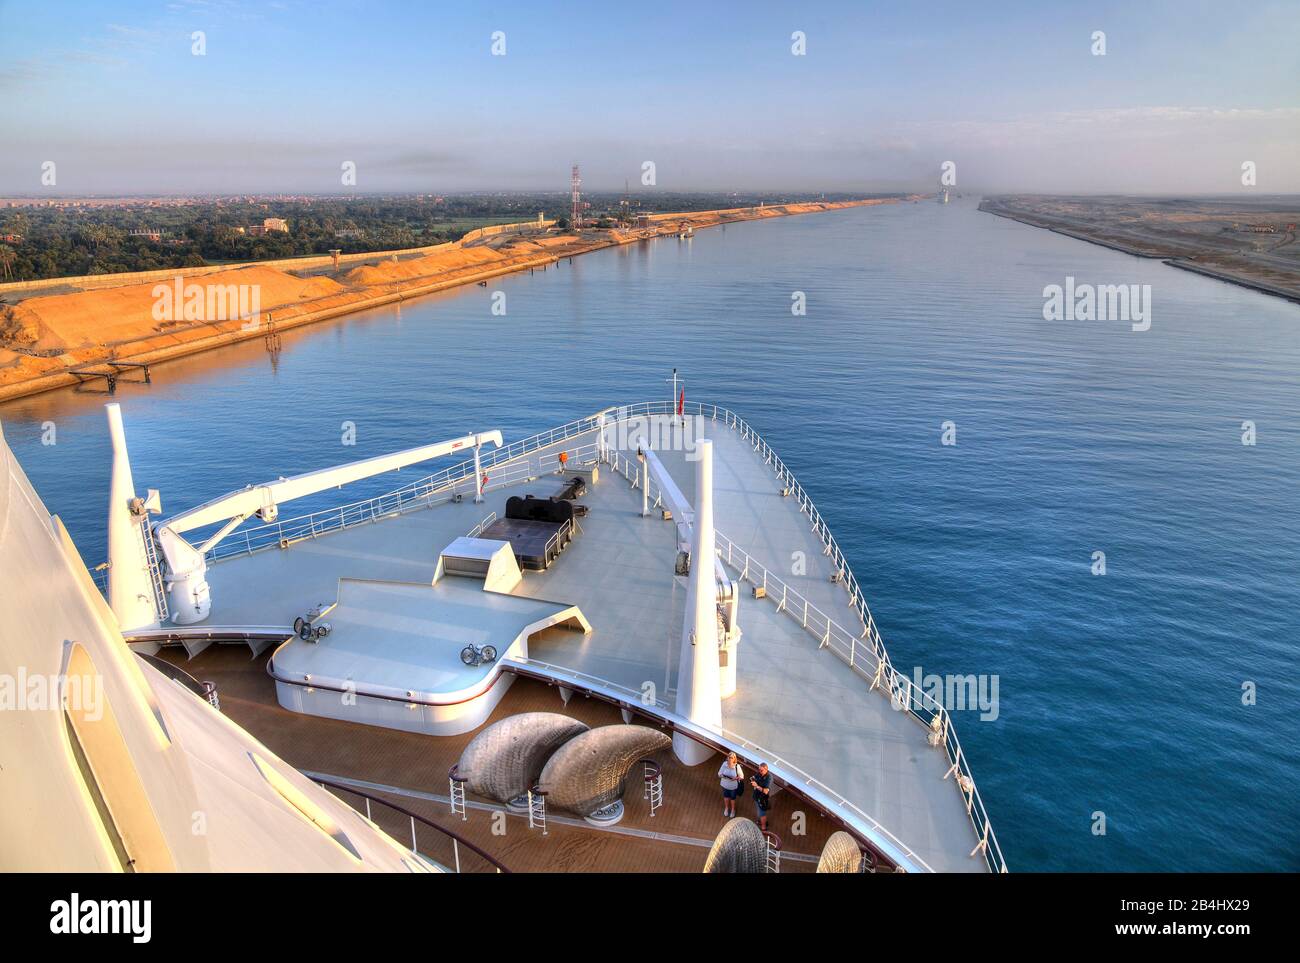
point(442, 486)
point(456, 481)
point(556, 542)
point(478, 529)
point(785, 770)
point(864, 653)
point(870, 661)
point(784, 476)
point(630, 468)
point(414, 820)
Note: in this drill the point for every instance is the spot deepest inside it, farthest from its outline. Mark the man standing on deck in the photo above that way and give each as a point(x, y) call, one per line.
point(761, 782)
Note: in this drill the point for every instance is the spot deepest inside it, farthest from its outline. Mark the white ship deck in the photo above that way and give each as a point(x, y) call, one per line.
point(802, 703)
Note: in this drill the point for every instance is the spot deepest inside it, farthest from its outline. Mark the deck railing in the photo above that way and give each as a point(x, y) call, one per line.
point(787, 771)
point(865, 653)
point(205, 690)
point(871, 662)
point(478, 529)
point(456, 481)
point(458, 842)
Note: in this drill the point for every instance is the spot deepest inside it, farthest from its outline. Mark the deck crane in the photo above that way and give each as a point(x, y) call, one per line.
point(186, 565)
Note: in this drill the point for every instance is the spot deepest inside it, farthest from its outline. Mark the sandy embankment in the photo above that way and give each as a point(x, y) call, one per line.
point(43, 338)
point(1220, 252)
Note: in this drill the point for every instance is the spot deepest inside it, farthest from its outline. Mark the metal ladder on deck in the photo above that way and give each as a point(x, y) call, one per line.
point(653, 775)
point(155, 571)
point(457, 792)
point(773, 851)
point(537, 809)
point(210, 693)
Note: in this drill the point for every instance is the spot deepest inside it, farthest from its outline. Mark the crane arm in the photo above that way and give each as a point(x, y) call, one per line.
point(263, 499)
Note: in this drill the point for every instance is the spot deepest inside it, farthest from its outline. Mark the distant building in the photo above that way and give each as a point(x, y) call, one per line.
point(350, 233)
point(11, 238)
point(269, 225)
point(149, 233)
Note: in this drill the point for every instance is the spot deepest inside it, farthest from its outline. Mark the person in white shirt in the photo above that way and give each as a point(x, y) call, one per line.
point(731, 776)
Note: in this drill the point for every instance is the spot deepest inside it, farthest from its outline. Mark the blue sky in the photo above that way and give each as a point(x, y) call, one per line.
point(711, 93)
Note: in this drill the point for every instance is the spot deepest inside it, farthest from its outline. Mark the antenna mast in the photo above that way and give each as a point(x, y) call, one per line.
point(575, 183)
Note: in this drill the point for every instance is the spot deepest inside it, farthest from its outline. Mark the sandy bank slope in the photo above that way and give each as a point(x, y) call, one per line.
point(42, 338)
point(118, 316)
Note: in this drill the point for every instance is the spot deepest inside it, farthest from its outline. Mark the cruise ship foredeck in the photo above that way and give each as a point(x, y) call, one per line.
point(807, 660)
point(411, 770)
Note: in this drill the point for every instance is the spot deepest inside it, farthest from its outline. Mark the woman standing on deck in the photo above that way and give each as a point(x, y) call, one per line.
point(730, 775)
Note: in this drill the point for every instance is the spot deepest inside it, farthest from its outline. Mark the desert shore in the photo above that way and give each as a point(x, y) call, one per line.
point(46, 340)
point(1250, 245)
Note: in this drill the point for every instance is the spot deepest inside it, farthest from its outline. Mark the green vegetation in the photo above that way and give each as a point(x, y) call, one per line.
point(72, 237)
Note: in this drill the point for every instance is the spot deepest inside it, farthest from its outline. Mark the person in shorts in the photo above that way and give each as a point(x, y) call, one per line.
point(730, 776)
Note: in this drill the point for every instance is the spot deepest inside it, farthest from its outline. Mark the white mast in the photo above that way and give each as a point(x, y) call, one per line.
point(698, 684)
point(130, 581)
point(672, 408)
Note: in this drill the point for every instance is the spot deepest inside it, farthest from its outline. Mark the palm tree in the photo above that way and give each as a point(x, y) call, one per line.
point(93, 234)
point(7, 258)
point(17, 224)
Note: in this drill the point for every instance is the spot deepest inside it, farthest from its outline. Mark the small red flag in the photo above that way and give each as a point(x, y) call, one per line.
point(681, 402)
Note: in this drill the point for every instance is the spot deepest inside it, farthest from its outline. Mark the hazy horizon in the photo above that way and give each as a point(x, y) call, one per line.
point(285, 93)
point(609, 193)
